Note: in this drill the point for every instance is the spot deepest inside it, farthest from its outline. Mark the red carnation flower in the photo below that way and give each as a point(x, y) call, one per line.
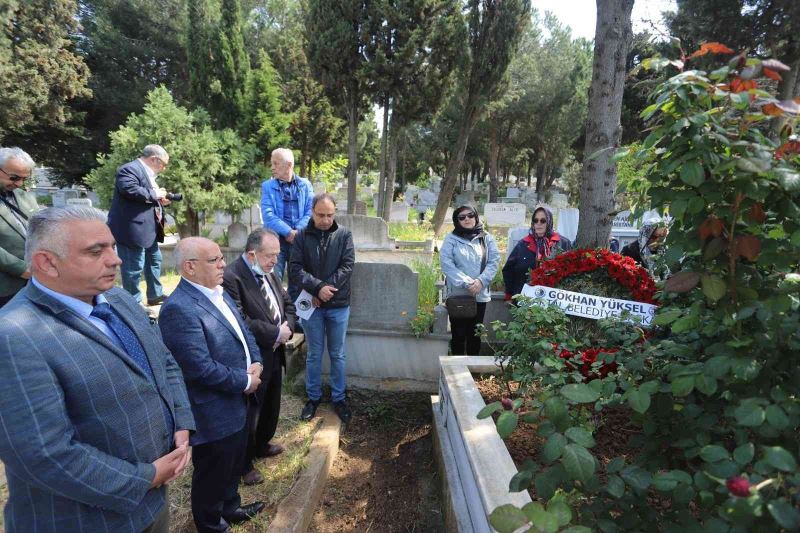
point(738, 486)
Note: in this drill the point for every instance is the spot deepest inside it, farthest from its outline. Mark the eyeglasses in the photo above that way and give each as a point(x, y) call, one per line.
point(212, 261)
point(466, 216)
point(163, 163)
point(540, 221)
point(14, 177)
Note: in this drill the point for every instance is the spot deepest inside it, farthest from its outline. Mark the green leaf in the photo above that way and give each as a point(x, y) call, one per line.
point(713, 287)
point(548, 481)
point(578, 462)
point(615, 486)
point(561, 510)
point(779, 458)
point(713, 453)
point(682, 385)
point(490, 409)
point(520, 481)
point(751, 164)
point(749, 415)
point(507, 519)
point(579, 393)
point(639, 400)
point(555, 409)
point(692, 173)
point(615, 465)
point(744, 453)
point(577, 529)
point(705, 384)
point(717, 366)
point(777, 417)
point(664, 481)
point(554, 447)
point(784, 514)
point(636, 477)
point(696, 204)
point(541, 519)
point(667, 317)
point(506, 423)
point(580, 436)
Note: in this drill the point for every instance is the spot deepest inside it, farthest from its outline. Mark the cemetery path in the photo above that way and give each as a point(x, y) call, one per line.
point(384, 477)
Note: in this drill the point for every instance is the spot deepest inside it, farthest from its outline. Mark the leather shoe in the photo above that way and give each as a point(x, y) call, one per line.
point(253, 477)
point(309, 410)
point(271, 451)
point(156, 301)
point(343, 410)
point(244, 513)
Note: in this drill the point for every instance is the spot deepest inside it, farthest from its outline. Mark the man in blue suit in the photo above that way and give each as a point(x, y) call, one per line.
point(94, 411)
point(136, 219)
point(222, 367)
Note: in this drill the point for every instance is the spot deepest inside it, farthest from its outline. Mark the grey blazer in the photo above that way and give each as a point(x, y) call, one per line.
point(80, 423)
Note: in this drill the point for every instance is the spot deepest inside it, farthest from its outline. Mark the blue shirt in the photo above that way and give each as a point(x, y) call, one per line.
point(83, 310)
point(291, 205)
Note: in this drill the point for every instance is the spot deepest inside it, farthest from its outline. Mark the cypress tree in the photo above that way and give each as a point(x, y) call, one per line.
point(263, 122)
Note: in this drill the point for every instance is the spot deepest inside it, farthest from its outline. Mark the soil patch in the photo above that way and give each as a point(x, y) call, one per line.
point(384, 478)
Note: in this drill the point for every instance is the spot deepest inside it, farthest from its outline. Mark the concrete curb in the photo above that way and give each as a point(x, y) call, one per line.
point(296, 510)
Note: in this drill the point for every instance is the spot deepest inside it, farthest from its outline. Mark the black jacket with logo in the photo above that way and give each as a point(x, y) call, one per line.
point(322, 258)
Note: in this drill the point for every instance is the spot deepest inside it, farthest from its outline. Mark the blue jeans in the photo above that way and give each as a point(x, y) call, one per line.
point(280, 268)
point(330, 324)
point(134, 261)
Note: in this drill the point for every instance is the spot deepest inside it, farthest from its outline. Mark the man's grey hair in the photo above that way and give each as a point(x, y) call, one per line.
point(155, 150)
point(322, 196)
point(187, 249)
point(285, 154)
point(7, 154)
point(256, 238)
point(46, 229)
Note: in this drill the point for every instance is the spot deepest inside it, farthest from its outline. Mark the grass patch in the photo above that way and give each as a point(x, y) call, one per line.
point(410, 231)
point(428, 294)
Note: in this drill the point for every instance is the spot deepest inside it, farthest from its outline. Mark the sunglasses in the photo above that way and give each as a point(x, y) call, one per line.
point(466, 216)
point(540, 221)
point(14, 177)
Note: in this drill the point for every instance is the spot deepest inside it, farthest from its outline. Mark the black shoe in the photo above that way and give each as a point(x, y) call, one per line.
point(156, 301)
point(244, 513)
point(343, 410)
point(309, 410)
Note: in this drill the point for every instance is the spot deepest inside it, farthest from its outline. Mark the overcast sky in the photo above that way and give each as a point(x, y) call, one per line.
point(581, 15)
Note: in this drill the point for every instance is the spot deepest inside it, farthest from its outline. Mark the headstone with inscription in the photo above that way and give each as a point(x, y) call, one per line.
point(504, 214)
point(399, 212)
point(81, 202)
point(361, 208)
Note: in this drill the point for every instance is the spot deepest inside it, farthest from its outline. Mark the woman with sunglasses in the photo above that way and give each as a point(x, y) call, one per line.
point(540, 243)
point(469, 259)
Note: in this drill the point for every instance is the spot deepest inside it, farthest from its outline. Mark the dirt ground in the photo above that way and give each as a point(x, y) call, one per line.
point(384, 478)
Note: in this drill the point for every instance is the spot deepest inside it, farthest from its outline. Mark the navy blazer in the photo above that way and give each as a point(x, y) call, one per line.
point(132, 217)
point(212, 359)
point(81, 421)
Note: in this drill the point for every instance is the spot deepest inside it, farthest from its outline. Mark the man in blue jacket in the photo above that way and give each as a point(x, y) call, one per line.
point(285, 207)
point(221, 365)
point(136, 219)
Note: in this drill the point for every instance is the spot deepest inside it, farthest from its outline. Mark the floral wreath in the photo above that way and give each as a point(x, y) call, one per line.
point(623, 270)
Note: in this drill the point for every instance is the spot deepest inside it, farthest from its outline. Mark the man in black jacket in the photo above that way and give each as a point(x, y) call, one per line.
point(269, 313)
point(321, 263)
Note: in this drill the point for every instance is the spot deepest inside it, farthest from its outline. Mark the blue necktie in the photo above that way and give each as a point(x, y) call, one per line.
point(132, 347)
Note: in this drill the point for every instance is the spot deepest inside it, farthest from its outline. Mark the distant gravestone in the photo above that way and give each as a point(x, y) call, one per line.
point(81, 202)
point(376, 304)
point(515, 235)
point(237, 235)
point(369, 233)
point(568, 223)
point(399, 212)
point(426, 200)
point(319, 187)
point(361, 208)
point(465, 198)
point(512, 192)
point(504, 214)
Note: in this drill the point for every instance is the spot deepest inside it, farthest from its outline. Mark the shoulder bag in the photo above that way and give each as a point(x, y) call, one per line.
point(465, 306)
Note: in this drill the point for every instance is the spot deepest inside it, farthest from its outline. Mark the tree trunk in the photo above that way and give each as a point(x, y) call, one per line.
point(352, 155)
point(190, 227)
point(530, 168)
point(788, 88)
point(613, 37)
point(391, 169)
point(382, 179)
point(304, 157)
point(494, 154)
point(454, 165)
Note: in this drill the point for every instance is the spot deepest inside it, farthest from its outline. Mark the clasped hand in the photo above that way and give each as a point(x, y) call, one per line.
point(171, 465)
point(475, 287)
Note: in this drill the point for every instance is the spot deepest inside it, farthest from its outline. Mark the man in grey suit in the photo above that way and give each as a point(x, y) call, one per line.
point(16, 206)
point(94, 410)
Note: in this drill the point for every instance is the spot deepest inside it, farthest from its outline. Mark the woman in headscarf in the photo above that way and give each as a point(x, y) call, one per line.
point(469, 260)
point(649, 244)
point(541, 243)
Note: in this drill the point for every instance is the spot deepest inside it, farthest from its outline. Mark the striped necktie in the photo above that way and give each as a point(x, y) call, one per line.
point(266, 292)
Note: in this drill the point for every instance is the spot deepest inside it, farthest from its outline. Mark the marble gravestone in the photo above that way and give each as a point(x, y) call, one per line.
point(505, 214)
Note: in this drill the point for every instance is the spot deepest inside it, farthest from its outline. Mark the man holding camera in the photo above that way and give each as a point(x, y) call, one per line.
point(136, 219)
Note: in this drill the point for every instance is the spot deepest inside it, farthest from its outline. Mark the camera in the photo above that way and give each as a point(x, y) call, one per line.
point(174, 196)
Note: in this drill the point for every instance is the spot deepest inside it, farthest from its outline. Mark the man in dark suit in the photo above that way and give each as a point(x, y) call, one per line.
point(16, 207)
point(269, 313)
point(94, 410)
point(136, 219)
point(222, 366)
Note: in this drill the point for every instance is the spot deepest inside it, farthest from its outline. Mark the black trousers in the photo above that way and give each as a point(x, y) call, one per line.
point(264, 417)
point(215, 480)
point(464, 340)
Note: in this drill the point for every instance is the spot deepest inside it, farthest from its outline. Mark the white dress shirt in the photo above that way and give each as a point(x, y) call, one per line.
point(215, 297)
